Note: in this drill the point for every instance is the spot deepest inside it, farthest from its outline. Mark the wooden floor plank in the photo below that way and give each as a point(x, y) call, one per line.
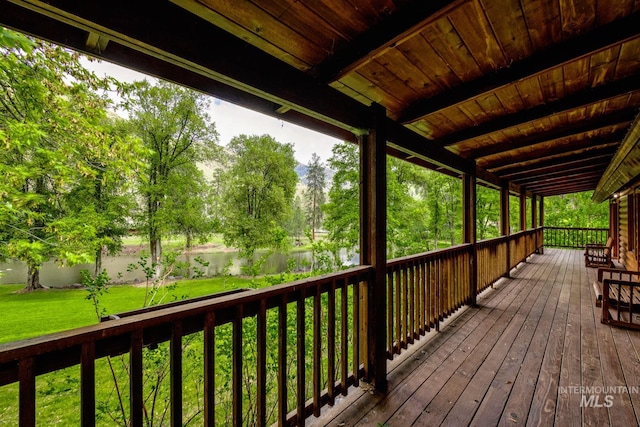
point(590, 358)
point(568, 411)
point(517, 407)
point(476, 346)
point(511, 346)
point(492, 404)
point(543, 404)
point(523, 356)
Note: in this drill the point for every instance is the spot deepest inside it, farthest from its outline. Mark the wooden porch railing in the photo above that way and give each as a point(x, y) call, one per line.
point(422, 290)
point(567, 237)
point(319, 332)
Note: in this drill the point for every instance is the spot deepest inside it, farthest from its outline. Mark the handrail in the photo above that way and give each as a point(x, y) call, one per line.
point(23, 360)
point(330, 331)
point(574, 237)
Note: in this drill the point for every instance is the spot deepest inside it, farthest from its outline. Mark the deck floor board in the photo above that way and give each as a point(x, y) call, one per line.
point(521, 357)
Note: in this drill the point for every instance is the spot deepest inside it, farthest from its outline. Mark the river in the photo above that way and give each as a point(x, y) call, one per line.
point(53, 275)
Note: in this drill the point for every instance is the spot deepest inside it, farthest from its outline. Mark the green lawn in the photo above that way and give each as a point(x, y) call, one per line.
point(53, 310)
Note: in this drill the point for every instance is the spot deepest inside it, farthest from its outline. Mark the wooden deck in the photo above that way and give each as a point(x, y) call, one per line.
point(526, 355)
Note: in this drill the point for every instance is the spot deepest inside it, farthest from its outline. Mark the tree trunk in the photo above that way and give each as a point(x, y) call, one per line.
point(155, 246)
point(98, 263)
point(189, 244)
point(33, 278)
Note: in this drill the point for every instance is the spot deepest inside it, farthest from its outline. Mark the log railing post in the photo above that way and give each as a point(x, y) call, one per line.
point(373, 244)
point(505, 226)
point(469, 231)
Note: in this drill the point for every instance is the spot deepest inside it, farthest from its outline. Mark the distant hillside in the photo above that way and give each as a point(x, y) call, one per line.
point(302, 171)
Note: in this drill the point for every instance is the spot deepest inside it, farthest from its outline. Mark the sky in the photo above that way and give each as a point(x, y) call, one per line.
point(232, 120)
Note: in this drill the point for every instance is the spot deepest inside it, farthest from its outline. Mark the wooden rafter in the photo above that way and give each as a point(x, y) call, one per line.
point(603, 37)
point(572, 102)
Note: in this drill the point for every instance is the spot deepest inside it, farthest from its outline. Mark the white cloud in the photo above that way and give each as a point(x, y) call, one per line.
point(232, 120)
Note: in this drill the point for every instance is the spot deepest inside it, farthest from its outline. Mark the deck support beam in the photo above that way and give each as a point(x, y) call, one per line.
point(523, 211)
point(505, 228)
point(469, 217)
point(373, 245)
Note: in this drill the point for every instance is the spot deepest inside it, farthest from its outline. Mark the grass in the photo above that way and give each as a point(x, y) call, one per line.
point(26, 315)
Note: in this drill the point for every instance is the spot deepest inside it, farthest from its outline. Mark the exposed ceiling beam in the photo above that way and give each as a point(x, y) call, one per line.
point(599, 39)
point(571, 148)
point(619, 118)
point(556, 171)
point(571, 102)
point(570, 182)
point(391, 31)
point(537, 165)
point(573, 178)
point(560, 190)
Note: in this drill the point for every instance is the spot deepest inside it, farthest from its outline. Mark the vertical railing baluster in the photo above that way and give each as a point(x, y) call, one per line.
point(261, 368)
point(282, 361)
point(27, 379)
point(356, 334)
point(405, 305)
point(136, 379)
point(237, 366)
point(398, 309)
point(344, 335)
point(88, 384)
point(317, 351)
point(331, 343)
point(301, 350)
point(175, 361)
point(390, 311)
point(412, 305)
point(209, 369)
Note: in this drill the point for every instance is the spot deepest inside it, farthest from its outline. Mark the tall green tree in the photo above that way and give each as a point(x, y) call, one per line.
point(52, 134)
point(259, 191)
point(105, 199)
point(314, 194)
point(487, 212)
point(342, 212)
point(173, 124)
point(190, 204)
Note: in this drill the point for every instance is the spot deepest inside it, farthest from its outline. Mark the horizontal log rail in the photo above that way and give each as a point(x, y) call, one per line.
point(574, 237)
point(308, 337)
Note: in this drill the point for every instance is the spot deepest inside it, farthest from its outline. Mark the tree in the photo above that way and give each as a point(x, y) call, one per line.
point(103, 199)
point(173, 124)
point(295, 225)
point(259, 191)
point(314, 194)
point(189, 204)
point(52, 130)
point(487, 212)
point(342, 212)
point(575, 210)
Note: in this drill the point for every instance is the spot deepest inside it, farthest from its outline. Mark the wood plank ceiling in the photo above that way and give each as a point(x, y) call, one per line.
point(537, 93)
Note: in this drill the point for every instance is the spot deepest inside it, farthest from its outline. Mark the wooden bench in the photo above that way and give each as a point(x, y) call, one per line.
point(596, 255)
point(618, 293)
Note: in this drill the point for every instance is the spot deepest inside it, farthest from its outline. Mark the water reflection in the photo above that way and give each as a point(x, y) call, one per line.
point(53, 275)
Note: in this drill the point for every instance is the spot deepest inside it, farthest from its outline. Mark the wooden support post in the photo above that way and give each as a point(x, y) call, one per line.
point(541, 249)
point(469, 231)
point(534, 220)
point(505, 228)
point(614, 226)
point(534, 213)
point(523, 212)
point(373, 244)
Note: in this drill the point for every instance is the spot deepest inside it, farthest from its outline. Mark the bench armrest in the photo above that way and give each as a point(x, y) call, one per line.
point(611, 272)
